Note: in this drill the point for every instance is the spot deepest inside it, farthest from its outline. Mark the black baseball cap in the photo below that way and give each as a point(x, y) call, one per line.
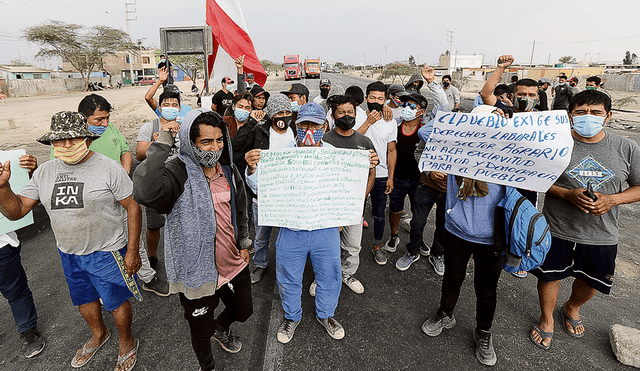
point(418, 98)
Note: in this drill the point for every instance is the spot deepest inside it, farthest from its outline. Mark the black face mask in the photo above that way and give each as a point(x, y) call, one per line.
point(346, 122)
point(374, 107)
point(446, 84)
point(324, 92)
point(282, 122)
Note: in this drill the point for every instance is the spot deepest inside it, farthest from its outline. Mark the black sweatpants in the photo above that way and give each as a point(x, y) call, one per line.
point(485, 277)
point(238, 307)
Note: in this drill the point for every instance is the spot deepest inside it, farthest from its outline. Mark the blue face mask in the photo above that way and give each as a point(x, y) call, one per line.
point(169, 113)
point(295, 107)
point(588, 126)
point(241, 114)
point(408, 114)
point(97, 129)
point(309, 137)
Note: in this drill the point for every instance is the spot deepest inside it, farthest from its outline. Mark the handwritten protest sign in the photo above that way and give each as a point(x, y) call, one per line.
point(19, 178)
point(311, 188)
point(528, 151)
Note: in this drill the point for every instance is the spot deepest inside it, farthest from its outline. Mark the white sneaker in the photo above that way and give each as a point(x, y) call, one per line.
point(312, 288)
point(353, 283)
point(286, 330)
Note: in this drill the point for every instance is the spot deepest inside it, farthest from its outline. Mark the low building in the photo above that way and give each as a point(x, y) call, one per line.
point(23, 73)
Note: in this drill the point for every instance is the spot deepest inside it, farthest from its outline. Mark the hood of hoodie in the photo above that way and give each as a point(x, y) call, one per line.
point(186, 152)
point(336, 89)
point(415, 77)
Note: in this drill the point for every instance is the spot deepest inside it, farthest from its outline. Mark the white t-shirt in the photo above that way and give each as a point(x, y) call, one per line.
point(382, 133)
point(10, 238)
point(361, 117)
point(318, 99)
point(277, 140)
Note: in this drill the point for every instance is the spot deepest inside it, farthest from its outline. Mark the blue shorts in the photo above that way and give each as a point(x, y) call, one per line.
point(594, 264)
point(99, 275)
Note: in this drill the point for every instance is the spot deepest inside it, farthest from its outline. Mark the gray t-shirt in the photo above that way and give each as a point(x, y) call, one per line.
point(353, 141)
point(145, 134)
point(83, 203)
point(453, 96)
point(607, 165)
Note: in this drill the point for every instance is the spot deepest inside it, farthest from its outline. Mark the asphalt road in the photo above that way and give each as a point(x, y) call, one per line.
point(382, 324)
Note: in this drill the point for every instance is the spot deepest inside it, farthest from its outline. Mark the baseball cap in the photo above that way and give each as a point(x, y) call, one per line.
point(573, 78)
point(312, 112)
point(544, 80)
point(325, 82)
point(227, 80)
point(397, 89)
point(296, 89)
point(249, 75)
point(418, 98)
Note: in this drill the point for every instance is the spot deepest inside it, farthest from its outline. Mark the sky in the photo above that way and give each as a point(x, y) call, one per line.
point(358, 31)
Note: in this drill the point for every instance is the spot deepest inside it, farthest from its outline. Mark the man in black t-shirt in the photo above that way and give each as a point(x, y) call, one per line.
point(407, 173)
point(563, 94)
point(343, 111)
point(223, 98)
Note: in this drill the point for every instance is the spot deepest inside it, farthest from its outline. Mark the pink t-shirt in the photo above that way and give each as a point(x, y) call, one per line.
point(228, 259)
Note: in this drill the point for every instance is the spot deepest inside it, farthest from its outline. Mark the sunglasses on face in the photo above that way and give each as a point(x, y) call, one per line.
point(411, 105)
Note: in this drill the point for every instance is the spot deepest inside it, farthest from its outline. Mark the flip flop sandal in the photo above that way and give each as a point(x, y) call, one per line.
point(87, 350)
point(542, 334)
point(121, 360)
point(574, 323)
point(519, 275)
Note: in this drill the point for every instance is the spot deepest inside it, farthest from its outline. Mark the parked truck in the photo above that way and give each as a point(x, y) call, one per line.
point(292, 67)
point(312, 68)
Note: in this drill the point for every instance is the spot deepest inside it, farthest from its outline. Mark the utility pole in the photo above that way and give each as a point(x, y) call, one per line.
point(450, 40)
point(126, 13)
point(385, 54)
point(549, 60)
point(532, 49)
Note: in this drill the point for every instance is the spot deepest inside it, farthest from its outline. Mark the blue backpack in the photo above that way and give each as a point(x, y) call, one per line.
point(522, 235)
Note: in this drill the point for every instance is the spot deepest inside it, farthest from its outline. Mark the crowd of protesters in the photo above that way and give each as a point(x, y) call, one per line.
point(198, 180)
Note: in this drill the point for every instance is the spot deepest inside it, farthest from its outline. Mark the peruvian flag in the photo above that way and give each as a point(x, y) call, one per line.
point(230, 41)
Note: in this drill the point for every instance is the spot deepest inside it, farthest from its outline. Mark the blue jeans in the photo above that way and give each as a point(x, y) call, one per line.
point(424, 200)
point(401, 189)
point(261, 242)
point(322, 246)
point(378, 204)
point(14, 287)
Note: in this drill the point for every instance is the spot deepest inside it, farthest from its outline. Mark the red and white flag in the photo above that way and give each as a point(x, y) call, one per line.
point(230, 41)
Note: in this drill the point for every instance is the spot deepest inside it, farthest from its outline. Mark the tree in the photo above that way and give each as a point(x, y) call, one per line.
point(270, 66)
point(83, 48)
point(412, 61)
point(567, 59)
point(401, 71)
point(191, 65)
point(630, 58)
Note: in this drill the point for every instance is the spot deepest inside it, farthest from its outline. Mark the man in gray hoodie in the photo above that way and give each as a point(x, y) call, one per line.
point(206, 234)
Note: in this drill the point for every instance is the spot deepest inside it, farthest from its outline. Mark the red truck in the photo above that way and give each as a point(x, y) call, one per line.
point(292, 68)
point(312, 68)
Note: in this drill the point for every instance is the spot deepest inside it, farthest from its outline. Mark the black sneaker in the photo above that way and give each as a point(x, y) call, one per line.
point(228, 341)
point(32, 342)
point(156, 286)
point(484, 347)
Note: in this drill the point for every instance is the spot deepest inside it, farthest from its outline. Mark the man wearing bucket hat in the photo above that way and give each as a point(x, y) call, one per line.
point(272, 134)
point(86, 195)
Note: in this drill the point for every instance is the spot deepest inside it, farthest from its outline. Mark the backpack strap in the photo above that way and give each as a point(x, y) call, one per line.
point(156, 126)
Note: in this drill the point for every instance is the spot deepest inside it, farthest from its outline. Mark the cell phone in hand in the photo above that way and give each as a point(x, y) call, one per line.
point(590, 192)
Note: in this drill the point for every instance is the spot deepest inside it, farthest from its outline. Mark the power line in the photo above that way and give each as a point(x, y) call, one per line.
point(70, 7)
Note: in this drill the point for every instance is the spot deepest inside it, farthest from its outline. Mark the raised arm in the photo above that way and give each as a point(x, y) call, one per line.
point(12, 206)
point(487, 90)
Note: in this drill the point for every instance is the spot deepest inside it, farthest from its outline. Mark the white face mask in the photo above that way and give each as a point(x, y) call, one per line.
point(231, 87)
